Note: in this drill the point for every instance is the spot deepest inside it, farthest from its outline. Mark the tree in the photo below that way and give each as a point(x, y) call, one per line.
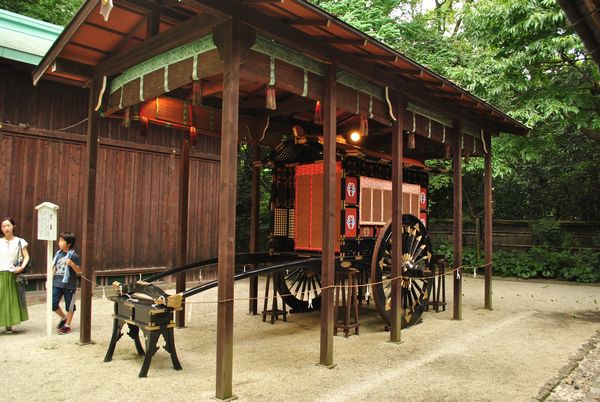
point(57, 12)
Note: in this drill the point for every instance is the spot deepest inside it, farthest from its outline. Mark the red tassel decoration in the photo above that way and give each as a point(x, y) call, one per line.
point(364, 125)
point(411, 141)
point(193, 136)
point(127, 117)
point(197, 92)
point(318, 113)
point(447, 151)
point(190, 113)
point(271, 100)
point(144, 121)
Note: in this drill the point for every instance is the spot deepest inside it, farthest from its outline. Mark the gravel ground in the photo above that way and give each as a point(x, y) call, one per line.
point(539, 334)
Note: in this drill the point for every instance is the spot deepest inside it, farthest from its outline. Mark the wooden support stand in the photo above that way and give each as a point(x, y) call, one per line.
point(438, 290)
point(153, 321)
point(274, 311)
point(346, 282)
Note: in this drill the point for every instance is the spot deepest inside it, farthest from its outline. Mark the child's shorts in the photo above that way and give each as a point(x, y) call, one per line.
point(69, 294)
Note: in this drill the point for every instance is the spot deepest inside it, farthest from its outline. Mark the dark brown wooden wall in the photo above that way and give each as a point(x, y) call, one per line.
point(513, 235)
point(137, 186)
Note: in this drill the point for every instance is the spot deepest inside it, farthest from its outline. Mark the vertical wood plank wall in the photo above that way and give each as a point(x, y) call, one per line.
point(137, 186)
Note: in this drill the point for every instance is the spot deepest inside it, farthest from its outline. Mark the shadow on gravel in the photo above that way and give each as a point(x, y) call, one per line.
point(568, 319)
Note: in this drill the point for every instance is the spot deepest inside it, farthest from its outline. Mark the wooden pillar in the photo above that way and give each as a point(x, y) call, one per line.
point(89, 214)
point(184, 181)
point(254, 226)
point(233, 45)
point(329, 232)
point(397, 154)
point(458, 217)
point(488, 212)
point(152, 23)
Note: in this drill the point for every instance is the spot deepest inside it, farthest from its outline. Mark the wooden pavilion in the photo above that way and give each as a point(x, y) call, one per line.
point(256, 68)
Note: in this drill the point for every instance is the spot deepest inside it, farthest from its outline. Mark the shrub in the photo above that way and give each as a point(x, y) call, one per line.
point(537, 262)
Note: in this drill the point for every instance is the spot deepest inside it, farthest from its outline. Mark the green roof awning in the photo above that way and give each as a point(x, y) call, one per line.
point(25, 39)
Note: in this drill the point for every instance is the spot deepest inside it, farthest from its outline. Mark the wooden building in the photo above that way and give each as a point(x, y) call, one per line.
point(42, 137)
point(261, 69)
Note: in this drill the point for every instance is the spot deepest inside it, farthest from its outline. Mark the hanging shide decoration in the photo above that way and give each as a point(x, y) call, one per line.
point(411, 141)
point(318, 113)
point(127, 117)
point(197, 92)
point(270, 99)
point(364, 125)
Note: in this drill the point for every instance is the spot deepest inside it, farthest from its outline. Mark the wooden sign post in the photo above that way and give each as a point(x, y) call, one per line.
point(47, 230)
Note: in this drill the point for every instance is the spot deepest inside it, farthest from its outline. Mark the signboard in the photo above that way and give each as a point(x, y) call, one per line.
point(47, 221)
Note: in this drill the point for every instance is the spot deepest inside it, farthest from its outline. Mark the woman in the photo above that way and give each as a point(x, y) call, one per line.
point(11, 312)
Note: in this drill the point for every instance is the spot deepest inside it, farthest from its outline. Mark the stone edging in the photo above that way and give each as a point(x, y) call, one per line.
point(567, 369)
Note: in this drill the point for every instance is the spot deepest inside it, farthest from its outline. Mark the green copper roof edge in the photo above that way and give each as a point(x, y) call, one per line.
point(293, 57)
point(29, 25)
point(23, 57)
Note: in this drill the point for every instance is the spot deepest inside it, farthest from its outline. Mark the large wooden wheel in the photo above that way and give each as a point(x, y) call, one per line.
point(299, 285)
point(416, 270)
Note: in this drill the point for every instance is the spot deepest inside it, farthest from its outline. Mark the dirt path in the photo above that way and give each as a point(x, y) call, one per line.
point(502, 355)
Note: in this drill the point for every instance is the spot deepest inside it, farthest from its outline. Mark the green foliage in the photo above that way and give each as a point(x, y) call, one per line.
point(244, 191)
point(537, 262)
point(57, 12)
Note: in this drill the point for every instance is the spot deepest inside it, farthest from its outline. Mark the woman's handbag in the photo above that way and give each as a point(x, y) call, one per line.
point(20, 258)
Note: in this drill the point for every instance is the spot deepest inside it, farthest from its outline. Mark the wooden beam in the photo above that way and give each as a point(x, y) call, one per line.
point(397, 269)
point(228, 38)
point(71, 67)
point(382, 57)
point(458, 216)
point(318, 22)
point(410, 71)
point(89, 214)
point(152, 23)
point(488, 214)
point(193, 28)
point(130, 35)
point(261, 1)
point(184, 184)
point(347, 41)
point(329, 207)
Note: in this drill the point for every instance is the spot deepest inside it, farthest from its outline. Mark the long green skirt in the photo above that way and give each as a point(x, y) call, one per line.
point(11, 312)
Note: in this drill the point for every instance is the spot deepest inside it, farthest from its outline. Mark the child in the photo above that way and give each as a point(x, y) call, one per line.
point(64, 282)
